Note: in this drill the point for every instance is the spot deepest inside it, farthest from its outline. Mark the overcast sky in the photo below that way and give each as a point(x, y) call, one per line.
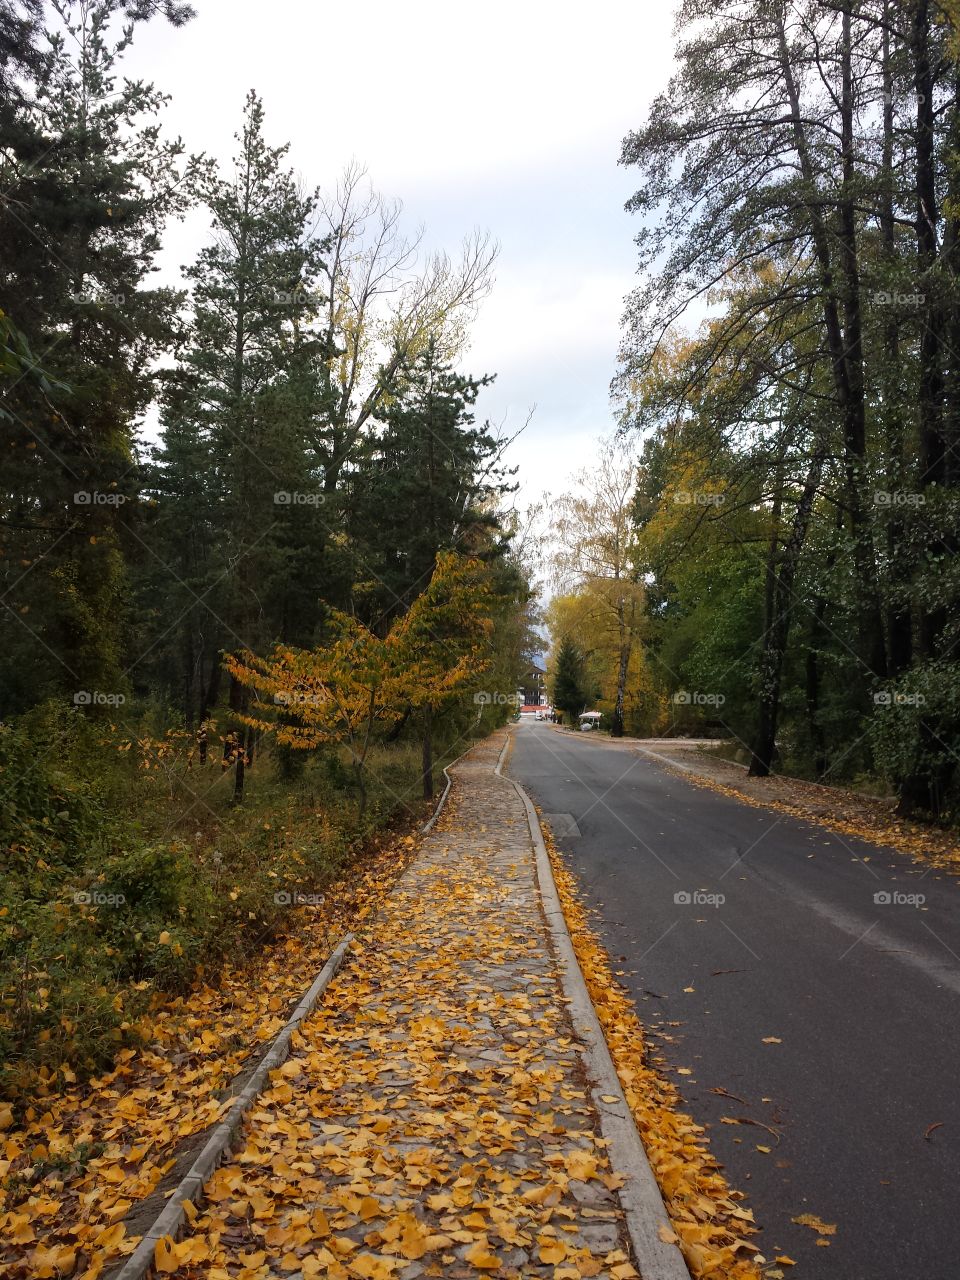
point(506, 116)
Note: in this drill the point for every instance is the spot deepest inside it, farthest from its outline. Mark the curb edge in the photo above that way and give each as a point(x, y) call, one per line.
point(640, 1196)
point(170, 1219)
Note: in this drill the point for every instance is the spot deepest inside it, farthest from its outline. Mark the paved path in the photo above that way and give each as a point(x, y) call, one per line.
point(434, 1118)
point(790, 977)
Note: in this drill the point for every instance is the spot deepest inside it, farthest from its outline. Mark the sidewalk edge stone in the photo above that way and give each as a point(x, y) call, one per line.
point(640, 1197)
point(171, 1218)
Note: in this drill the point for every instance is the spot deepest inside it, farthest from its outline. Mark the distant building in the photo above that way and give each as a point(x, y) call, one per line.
point(533, 686)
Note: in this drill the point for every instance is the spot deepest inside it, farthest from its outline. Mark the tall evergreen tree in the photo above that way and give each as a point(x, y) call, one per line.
point(246, 540)
point(569, 679)
point(88, 183)
point(432, 481)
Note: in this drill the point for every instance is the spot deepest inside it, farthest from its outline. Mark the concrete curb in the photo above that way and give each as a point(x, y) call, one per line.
point(640, 1196)
point(428, 825)
point(171, 1218)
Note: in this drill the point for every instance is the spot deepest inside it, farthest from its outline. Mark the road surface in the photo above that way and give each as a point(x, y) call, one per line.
point(808, 979)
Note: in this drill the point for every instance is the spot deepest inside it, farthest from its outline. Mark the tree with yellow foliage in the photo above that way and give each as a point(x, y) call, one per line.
point(343, 692)
point(594, 557)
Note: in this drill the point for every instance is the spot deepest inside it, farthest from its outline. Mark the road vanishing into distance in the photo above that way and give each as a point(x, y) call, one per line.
point(762, 960)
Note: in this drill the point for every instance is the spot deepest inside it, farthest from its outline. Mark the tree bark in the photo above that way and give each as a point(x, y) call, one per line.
point(775, 639)
point(930, 383)
point(844, 341)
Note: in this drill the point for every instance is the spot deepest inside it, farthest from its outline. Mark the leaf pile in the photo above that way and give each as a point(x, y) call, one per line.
point(72, 1168)
point(433, 1119)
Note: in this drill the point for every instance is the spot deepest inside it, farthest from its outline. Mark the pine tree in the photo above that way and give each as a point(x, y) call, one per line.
point(256, 524)
point(569, 680)
point(431, 482)
point(89, 183)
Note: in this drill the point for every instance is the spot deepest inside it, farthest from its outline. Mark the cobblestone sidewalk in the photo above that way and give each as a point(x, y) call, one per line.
point(433, 1118)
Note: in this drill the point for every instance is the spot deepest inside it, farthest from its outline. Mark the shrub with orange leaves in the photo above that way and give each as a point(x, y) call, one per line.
point(342, 692)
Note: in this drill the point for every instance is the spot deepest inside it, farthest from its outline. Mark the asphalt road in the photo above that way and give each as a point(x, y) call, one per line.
point(861, 995)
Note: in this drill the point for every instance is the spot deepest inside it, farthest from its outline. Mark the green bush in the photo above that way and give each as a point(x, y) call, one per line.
point(128, 872)
point(915, 736)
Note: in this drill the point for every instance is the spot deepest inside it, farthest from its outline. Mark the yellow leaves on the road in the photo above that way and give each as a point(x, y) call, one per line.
point(369, 1266)
point(581, 1165)
point(821, 1228)
point(547, 1195)
point(772, 1040)
point(480, 1255)
point(169, 1256)
point(53, 1261)
point(550, 1250)
point(368, 1208)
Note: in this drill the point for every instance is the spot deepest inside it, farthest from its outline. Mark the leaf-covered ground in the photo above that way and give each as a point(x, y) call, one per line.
point(73, 1170)
point(433, 1119)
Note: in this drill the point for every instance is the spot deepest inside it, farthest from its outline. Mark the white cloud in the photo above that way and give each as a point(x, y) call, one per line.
point(506, 115)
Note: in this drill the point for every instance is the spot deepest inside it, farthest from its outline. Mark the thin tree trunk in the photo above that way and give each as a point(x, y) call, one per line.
point(845, 348)
point(427, 757)
point(898, 629)
point(930, 388)
point(818, 639)
point(775, 640)
point(616, 727)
